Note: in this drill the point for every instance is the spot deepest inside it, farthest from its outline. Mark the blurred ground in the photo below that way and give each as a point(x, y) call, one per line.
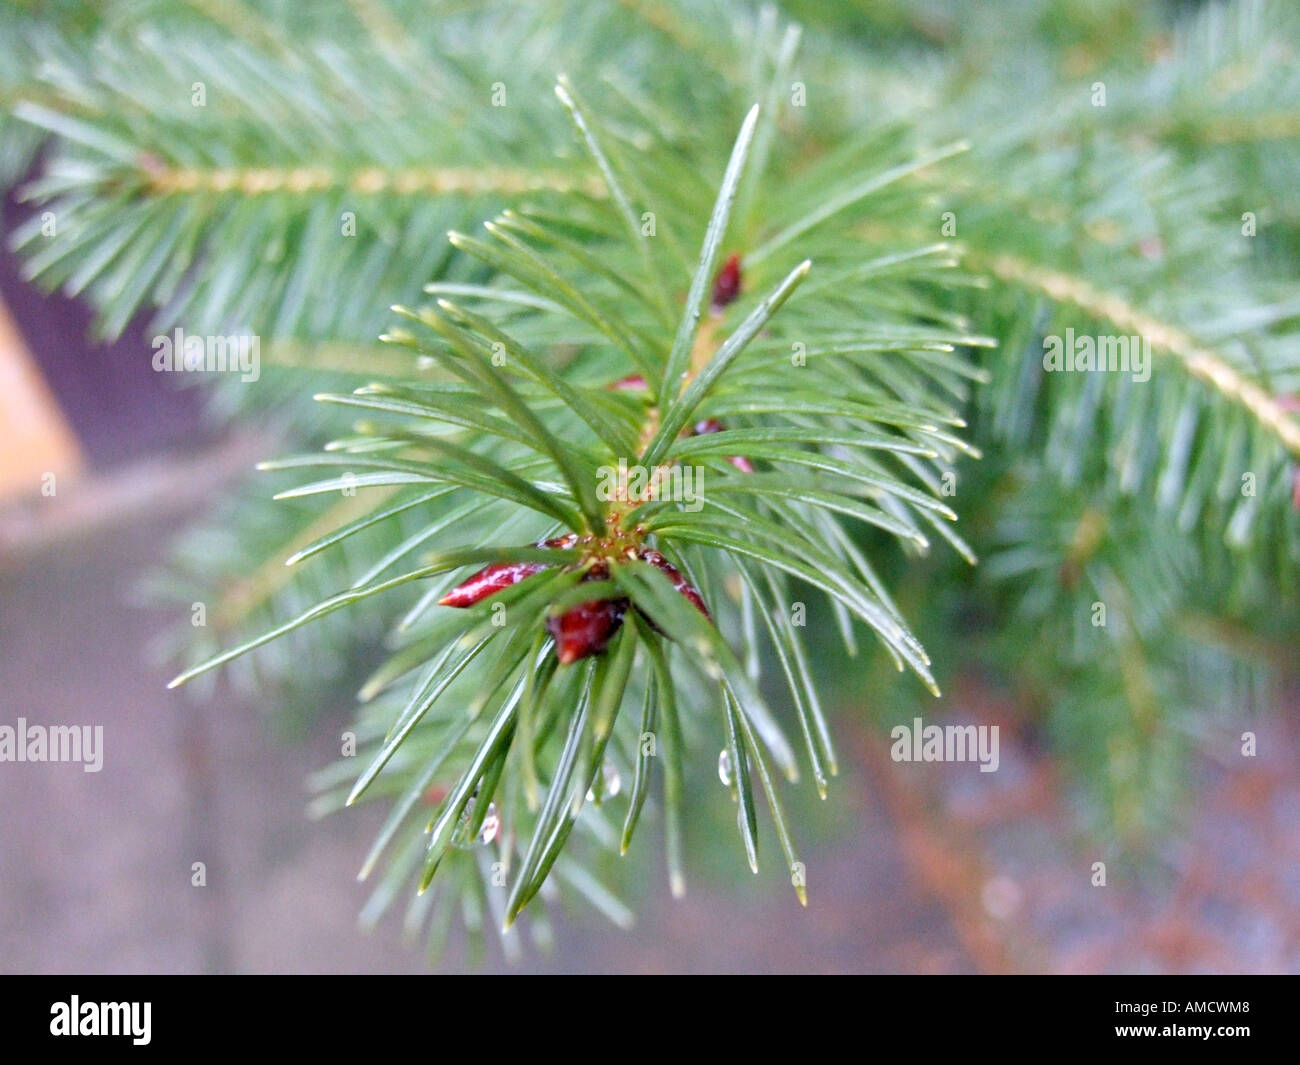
point(942, 869)
point(95, 867)
point(1005, 854)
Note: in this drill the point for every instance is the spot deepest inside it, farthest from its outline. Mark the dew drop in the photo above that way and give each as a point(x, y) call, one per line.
point(491, 826)
point(488, 830)
point(724, 766)
point(611, 783)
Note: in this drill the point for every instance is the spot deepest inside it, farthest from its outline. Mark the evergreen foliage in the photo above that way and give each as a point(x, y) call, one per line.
point(919, 196)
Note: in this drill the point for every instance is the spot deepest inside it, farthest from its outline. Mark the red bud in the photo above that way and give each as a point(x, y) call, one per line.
point(489, 581)
point(586, 629)
point(633, 382)
point(492, 579)
point(726, 286)
point(712, 425)
point(684, 586)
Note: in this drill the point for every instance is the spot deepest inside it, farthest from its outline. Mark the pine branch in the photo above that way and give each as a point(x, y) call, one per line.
point(607, 584)
point(1201, 362)
point(827, 406)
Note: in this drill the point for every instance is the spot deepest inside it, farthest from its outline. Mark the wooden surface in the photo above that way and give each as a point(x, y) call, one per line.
point(34, 437)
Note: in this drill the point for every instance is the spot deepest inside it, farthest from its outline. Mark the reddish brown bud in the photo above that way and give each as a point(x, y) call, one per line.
point(726, 286)
point(712, 425)
point(633, 382)
point(586, 629)
point(489, 581)
point(1151, 247)
point(492, 579)
point(684, 586)
point(151, 164)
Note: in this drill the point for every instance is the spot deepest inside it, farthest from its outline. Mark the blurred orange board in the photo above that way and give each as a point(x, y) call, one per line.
point(34, 437)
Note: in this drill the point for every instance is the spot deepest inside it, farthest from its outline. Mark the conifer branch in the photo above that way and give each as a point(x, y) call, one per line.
point(1201, 362)
point(370, 181)
point(577, 329)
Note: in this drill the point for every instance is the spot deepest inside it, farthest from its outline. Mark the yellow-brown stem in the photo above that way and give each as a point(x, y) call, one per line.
point(1201, 362)
point(369, 181)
